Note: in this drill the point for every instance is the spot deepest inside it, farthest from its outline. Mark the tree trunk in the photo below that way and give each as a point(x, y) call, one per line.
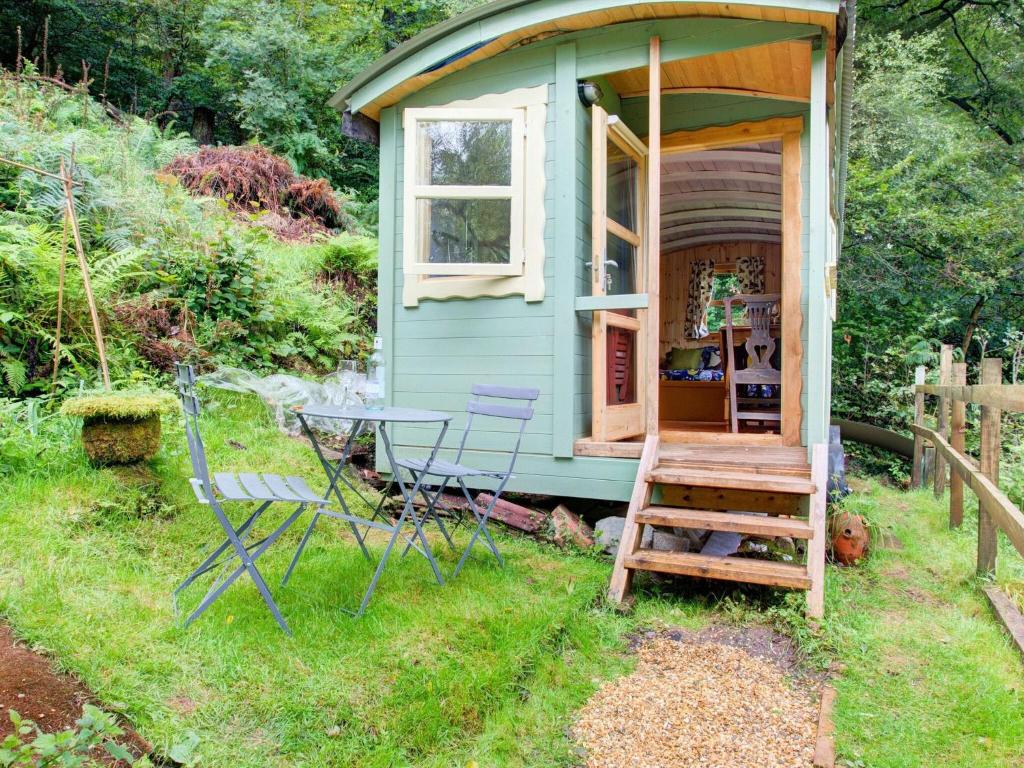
point(202, 125)
point(972, 325)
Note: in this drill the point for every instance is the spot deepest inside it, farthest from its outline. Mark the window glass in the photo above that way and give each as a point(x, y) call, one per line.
point(726, 284)
point(623, 181)
point(465, 152)
point(475, 231)
point(621, 266)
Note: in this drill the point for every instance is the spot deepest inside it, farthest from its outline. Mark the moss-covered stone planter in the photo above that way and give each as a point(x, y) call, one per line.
point(120, 427)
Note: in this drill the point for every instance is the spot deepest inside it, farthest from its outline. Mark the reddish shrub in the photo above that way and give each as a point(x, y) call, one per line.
point(252, 179)
point(247, 177)
point(163, 328)
point(314, 198)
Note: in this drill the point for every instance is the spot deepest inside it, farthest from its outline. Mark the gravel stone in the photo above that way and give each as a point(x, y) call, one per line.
point(698, 706)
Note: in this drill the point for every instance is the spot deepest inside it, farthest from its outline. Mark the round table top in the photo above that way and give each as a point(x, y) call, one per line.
point(363, 413)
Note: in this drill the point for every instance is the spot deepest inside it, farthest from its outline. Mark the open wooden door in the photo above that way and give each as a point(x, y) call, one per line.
point(619, 270)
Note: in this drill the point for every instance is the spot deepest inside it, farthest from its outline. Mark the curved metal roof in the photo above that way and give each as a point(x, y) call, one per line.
point(440, 49)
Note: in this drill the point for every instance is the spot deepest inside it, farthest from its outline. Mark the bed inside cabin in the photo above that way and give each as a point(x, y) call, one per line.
point(720, 236)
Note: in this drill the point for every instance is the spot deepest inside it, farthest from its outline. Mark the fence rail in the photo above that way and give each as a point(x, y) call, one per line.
point(945, 445)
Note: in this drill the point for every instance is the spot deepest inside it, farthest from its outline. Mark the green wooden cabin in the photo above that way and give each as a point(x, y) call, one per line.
point(557, 213)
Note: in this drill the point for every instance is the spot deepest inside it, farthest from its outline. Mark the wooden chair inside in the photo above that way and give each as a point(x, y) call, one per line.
point(760, 347)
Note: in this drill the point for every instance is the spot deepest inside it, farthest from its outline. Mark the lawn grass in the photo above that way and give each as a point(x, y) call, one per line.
point(928, 677)
point(487, 670)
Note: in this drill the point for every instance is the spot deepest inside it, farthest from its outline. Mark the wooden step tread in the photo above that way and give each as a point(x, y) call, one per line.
point(758, 525)
point(760, 459)
point(743, 481)
point(741, 569)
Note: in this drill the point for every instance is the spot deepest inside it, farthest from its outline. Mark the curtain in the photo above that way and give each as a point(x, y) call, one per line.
point(702, 281)
point(750, 273)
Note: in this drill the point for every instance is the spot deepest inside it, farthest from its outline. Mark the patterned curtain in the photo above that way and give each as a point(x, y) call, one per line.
point(702, 282)
point(750, 273)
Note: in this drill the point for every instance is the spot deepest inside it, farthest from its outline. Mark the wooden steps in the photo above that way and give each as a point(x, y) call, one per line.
point(725, 475)
point(745, 569)
point(739, 481)
point(755, 525)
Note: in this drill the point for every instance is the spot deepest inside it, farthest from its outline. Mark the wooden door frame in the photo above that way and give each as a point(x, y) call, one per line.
point(618, 422)
point(787, 130)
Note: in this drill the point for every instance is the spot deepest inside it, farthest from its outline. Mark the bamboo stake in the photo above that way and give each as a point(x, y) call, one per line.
point(32, 168)
point(60, 289)
point(917, 470)
point(80, 250)
point(957, 429)
point(988, 533)
point(942, 420)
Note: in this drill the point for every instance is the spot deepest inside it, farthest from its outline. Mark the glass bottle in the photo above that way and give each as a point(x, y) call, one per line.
point(375, 377)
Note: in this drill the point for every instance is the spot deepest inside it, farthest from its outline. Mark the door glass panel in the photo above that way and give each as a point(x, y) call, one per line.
point(621, 266)
point(623, 185)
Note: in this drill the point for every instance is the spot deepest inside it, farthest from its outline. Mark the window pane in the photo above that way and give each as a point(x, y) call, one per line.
point(620, 265)
point(465, 152)
point(623, 186)
point(465, 231)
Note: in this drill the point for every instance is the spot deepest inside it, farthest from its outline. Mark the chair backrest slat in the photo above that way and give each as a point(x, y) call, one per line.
point(499, 411)
point(521, 413)
point(185, 377)
point(507, 393)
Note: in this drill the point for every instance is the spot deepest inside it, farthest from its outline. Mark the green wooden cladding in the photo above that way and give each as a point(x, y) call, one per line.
point(437, 350)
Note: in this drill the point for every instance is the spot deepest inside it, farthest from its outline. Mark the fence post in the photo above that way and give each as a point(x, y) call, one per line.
point(991, 373)
point(942, 419)
point(917, 470)
point(958, 428)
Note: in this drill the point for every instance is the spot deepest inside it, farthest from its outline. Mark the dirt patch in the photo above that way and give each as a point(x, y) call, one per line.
point(714, 699)
point(759, 642)
point(54, 701)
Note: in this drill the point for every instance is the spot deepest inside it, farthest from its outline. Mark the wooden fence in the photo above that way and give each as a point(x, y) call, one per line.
point(943, 447)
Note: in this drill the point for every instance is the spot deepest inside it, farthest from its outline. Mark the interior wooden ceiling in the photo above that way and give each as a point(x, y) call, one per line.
point(713, 195)
point(777, 70)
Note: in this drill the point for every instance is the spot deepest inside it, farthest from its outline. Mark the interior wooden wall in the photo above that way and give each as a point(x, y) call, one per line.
point(675, 281)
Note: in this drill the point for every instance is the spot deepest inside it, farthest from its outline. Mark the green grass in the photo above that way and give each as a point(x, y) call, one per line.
point(487, 670)
point(928, 677)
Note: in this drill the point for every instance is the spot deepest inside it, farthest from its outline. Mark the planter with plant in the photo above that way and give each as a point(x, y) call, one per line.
point(120, 427)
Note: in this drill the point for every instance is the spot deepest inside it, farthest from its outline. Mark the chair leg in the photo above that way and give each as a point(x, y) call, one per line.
point(481, 529)
point(301, 547)
point(209, 563)
point(431, 512)
point(248, 564)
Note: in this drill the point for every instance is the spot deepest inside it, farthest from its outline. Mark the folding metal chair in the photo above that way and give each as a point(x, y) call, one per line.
point(459, 472)
point(264, 489)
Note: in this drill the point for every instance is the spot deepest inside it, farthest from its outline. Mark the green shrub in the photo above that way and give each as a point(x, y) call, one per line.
point(30, 747)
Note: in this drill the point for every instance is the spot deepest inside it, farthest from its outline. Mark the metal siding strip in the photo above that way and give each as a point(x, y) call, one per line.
point(564, 250)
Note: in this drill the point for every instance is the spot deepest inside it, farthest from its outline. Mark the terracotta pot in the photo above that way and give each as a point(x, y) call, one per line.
point(850, 538)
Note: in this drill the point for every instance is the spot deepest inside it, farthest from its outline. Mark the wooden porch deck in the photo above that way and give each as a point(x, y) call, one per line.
point(716, 487)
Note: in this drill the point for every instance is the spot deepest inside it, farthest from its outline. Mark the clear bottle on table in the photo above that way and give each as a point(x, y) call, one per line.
point(375, 377)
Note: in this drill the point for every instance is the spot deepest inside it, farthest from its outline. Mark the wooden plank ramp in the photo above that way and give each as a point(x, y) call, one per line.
point(735, 475)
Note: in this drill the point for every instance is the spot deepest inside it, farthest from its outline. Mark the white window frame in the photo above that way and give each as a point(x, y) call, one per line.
point(414, 230)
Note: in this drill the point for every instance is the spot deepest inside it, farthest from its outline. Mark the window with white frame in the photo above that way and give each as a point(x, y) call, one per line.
point(464, 191)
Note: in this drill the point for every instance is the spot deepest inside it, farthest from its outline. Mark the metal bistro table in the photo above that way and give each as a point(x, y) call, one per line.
point(335, 471)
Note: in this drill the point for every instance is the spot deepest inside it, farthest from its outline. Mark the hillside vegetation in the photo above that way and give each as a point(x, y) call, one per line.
point(177, 276)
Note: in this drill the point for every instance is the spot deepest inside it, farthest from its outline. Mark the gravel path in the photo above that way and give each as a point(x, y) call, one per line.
point(698, 705)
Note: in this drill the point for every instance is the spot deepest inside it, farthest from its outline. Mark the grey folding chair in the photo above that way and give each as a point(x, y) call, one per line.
point(245, 487)
point(481, 405)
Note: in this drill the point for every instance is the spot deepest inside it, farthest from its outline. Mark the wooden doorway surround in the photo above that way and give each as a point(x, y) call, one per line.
point(788, 131)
